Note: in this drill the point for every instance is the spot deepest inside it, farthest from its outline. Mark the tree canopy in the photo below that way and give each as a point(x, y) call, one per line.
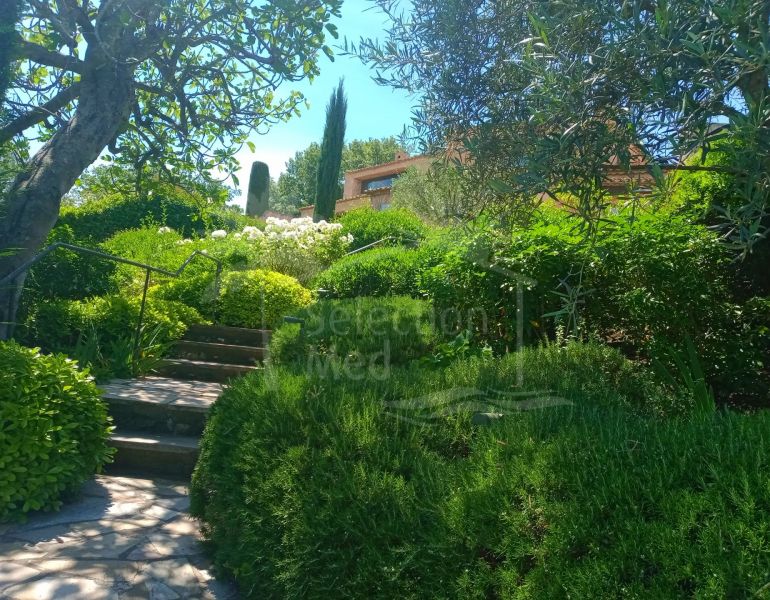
point(204, 73)
point(178, 83)
point(546, 96)
point(9, 14)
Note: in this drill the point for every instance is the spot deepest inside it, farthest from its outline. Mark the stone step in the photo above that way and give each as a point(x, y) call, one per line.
point(160, 405)
point(220, 353)
point(156, 454)
point(235, 336)
point(198, 370)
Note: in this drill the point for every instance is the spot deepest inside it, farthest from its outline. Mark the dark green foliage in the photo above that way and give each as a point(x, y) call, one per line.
point(367, 226)
point(327, 182)
point(259, 299)
point(53, 430)
point(9, 15)
point(98, 220)
point(313, 488)
point(659, 281)
point(643, 285)
point(376, 272)
point(258, 201)
point(67, 274)
point(365, 332)
point(476, 282)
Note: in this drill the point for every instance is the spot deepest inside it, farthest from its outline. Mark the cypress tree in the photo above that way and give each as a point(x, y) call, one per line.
point(258, 201)
point(327, 180)
point(9, 15)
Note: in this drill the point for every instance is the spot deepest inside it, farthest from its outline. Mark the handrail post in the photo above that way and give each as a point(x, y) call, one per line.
point(217, 283)
point(382, 241)
point(138, 337)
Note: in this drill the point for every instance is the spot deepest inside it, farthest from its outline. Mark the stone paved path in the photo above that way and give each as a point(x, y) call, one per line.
point(170, 392)
point(123, 539)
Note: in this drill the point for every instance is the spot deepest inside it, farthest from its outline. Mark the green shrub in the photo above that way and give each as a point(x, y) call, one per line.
point(476, 282)
point(367, 226)
point(53, 430)
point(168, 250)
point(645, 510)
point(376, 272)
point(658, 281)
point(197, 290)
point(99, 332)
point(260, 299)
point(148, 245)
point(363, 333)
point(643, 285)
point(100, 219)
point(385, 489)
point(67, 274)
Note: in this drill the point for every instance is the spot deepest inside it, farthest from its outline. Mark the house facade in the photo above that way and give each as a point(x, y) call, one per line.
point(373, 186)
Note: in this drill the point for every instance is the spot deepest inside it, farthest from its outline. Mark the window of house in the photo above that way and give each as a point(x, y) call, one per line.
point(378, 184)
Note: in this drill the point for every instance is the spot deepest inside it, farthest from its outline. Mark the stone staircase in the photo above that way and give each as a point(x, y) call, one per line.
point(159, 419)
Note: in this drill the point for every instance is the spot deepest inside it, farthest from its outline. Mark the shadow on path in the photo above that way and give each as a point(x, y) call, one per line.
point(122, 539)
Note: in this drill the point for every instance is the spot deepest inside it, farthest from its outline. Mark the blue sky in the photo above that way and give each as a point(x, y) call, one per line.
point(373, 111)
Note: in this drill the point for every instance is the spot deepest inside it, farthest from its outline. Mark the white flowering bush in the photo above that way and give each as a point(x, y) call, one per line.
point(299, 247)
point(325, 240)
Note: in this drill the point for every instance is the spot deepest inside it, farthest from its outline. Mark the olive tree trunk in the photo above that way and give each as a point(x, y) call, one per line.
point(30, 209)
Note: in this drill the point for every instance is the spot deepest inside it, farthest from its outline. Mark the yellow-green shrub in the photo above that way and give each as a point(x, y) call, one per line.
point(259, 299)
point(53, 430)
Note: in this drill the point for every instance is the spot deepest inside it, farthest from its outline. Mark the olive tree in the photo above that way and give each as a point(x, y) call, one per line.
point(548, 97)
point(174, 82)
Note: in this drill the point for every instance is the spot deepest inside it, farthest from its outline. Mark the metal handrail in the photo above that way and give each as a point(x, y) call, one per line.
point(383, 240)
point(148, 268)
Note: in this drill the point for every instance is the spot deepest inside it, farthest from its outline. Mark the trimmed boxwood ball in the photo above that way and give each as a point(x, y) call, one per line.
point(394, 330)
point(376, 272)
point(53, 430)
point(367, 226)
point(260, 299)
